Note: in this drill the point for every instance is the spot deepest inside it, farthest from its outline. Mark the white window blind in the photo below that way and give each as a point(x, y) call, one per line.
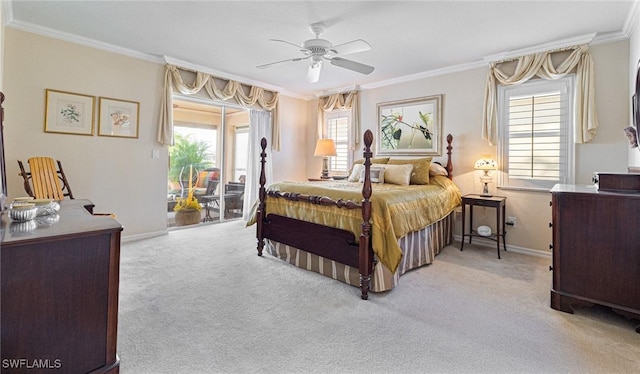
point(536, 144)
point(338, 124)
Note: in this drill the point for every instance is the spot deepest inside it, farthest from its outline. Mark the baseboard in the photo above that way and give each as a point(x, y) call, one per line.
point(147, 235)
point(511, 248)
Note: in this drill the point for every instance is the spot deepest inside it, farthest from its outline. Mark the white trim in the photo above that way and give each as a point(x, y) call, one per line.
point(426, 74)
point(632, 20)
point(563, 43)
point(510, 248)
point(72, 38)
point(148, 235)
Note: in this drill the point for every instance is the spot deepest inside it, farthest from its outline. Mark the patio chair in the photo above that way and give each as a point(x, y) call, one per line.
point(44, 180)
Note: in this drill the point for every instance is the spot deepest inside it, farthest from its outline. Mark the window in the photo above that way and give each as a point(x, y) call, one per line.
point(536, 124)
point(338, 124)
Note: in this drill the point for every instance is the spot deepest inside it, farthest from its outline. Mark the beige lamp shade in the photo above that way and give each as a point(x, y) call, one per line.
point(324, 148)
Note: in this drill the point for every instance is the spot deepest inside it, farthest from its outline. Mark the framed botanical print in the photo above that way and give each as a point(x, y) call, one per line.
point(410, 127)
point(69, 113)
point(118, 118)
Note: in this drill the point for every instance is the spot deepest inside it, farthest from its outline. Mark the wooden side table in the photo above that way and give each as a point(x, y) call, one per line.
point(497, 202)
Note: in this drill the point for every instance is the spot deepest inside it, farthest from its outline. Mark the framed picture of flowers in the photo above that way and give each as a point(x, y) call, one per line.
point(118, 118)
point(69, 113)
point(410, 127)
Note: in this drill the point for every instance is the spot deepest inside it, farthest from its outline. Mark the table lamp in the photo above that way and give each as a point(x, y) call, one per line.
point(324, 149)
point(485, 164)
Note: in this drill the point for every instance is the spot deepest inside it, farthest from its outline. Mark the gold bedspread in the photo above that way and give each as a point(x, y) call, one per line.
point(395, 210)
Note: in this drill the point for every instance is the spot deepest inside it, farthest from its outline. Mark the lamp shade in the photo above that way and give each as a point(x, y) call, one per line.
point(325, 147)
point(486, 163)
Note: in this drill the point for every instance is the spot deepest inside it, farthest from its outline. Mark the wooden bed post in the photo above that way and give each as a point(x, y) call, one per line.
point(261, 196)
point(365, 251)
point(449, 164)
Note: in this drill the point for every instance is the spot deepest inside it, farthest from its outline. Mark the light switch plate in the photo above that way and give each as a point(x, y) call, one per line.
point(155, 153)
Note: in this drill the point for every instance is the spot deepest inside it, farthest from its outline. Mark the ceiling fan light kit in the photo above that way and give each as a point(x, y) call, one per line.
point(319, 50)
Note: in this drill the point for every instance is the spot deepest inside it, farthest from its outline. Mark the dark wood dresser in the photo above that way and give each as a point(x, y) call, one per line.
point(596, 249)
point(59, 301)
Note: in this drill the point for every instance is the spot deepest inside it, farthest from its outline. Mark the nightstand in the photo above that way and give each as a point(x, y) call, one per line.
point(497, 202)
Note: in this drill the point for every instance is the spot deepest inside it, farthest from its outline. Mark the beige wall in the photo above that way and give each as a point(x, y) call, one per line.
point(118, 175)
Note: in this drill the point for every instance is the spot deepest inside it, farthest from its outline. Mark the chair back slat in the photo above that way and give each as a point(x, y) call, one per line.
point(44, 177)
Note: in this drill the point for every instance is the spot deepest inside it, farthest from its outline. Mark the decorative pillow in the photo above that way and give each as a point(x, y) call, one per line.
point(437, 169)
point(381, 160)
point(355, 173)
point(376, 173)
point(398, 174)
point(420, 173)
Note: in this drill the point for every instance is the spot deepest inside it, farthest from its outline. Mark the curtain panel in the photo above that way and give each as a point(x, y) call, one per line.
point(173, 82)
point(342, 101)
point(540, 65)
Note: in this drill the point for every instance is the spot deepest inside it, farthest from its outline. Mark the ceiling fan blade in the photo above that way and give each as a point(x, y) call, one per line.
point(313, 74)
point(354, 46)
point(352, 65)
point(286, 42)
point(263, 66)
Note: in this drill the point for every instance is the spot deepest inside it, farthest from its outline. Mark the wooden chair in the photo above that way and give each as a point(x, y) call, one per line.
point(47, 182)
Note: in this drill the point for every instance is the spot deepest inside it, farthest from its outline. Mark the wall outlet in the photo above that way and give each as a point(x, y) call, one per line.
point(511, 221)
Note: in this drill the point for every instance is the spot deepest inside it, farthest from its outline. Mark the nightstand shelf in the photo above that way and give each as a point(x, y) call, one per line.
point(497, 202)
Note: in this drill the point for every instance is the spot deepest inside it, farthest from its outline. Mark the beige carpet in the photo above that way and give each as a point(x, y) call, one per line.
point(201, 301)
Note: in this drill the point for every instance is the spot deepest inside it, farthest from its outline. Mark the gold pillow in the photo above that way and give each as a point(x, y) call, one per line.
point(420, 173)
point(398, 174)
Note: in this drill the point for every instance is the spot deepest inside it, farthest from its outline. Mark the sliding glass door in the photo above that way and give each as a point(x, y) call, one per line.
point(208, 159)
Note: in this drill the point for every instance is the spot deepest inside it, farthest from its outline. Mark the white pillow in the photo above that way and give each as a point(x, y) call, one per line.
point(355, 173)
point(376, 174)
point(437, 169)
point(398, 174)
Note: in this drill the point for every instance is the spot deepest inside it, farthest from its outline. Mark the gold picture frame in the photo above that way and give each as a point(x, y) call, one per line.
point(68, 113)
point(119, 118)
point(410, 127)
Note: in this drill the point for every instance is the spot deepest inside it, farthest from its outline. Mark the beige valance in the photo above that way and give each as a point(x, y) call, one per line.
point(268, 100)
point(540, 65)
point(342, 101)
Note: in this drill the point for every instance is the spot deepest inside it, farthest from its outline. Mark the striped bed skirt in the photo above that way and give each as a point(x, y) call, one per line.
point(419, 248)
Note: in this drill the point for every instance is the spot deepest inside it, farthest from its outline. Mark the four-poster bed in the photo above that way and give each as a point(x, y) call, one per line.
point(350, 230)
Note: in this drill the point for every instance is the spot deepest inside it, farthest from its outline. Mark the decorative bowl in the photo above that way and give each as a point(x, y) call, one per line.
point(22, 212)
point(46, 207)
point(484, 230)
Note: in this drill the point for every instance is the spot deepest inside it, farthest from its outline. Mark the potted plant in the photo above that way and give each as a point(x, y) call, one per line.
point(188, 209)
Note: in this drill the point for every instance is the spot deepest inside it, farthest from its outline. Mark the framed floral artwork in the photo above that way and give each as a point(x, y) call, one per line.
point(118, 118)
point(410, 127)
point(68, 113)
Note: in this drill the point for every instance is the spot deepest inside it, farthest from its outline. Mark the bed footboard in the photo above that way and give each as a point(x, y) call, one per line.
point(336, 244)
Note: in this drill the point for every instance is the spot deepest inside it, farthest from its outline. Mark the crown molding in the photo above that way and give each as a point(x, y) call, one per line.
point(87, 42)
point(556, 44)
point(632, 20)
point(425, 74)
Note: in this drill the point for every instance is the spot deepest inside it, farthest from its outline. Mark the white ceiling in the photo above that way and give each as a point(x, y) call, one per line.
point(409, 39)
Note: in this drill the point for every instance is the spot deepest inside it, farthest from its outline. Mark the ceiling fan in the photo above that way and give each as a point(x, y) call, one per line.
point(318, 50)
